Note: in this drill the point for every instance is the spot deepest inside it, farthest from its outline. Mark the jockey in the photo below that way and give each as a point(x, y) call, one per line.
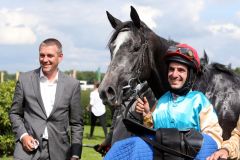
point(181, 107)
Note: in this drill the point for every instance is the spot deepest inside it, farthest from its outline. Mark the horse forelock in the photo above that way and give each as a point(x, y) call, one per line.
point(121, 38)
point(127, 24)
point(130, 25)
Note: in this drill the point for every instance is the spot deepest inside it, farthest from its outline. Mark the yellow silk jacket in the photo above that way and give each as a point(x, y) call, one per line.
point(233, 143)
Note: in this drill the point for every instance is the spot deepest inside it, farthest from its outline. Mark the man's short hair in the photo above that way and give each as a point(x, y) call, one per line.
point(52, 41)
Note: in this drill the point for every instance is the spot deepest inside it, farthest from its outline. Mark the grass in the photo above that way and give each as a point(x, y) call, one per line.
point(87, 153)
point(90, 153)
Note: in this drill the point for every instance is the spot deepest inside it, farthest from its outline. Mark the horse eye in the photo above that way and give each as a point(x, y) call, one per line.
point(136, 48)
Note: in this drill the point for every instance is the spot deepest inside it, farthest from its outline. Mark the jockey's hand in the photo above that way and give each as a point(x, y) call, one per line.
point(221, 154)
point(74, 158)
point(142, 106)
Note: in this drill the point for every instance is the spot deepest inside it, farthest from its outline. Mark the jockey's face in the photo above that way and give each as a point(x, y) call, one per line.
point(177, 74)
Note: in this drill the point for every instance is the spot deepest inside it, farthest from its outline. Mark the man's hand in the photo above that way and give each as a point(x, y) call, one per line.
point(74, 158)
point(220, 154)
point(28, 143)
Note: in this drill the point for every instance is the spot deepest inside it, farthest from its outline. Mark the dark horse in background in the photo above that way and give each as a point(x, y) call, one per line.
point(137, 53)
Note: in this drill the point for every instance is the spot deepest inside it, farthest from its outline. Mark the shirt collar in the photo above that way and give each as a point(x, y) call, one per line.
point(43, 77)
point(174, 96)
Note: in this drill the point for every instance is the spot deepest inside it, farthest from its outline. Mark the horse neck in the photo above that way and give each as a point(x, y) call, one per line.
point(158, 78)
point(156, 84)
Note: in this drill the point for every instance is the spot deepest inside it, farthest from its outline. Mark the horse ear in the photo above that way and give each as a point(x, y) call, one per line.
point(229, 66)
point(135, 18)
point(204, 60)
point(206, 57)
point(114, 21)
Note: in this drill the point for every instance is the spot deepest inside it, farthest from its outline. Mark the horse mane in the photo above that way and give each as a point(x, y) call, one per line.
point(218, 67)
point(208, 71)
point(222, 68)
point(172, 42)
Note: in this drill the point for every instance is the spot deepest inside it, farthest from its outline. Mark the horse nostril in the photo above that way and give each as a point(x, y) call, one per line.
point(102, 95)
point(111, 93)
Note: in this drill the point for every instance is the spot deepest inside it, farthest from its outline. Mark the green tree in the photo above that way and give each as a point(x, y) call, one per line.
point(89, 76)
point(237, 70)
point(8, 76)
point(6, 136)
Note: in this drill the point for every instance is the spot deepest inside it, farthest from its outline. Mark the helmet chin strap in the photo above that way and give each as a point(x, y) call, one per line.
point(187, 86)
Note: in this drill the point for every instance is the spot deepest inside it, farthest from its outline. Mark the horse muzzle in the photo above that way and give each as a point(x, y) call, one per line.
point(109, 96)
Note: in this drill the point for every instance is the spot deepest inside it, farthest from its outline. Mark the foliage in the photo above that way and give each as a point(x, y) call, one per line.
point(89, 76)
point(8, 76)
point(85, 102)
point(7, 144)
point(237, 70)
point(6, 136)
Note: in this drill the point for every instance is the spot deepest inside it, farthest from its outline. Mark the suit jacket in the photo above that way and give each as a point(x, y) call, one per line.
point(28, 115)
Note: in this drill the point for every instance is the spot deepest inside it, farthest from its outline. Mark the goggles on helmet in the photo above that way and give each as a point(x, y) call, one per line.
point(184, 51)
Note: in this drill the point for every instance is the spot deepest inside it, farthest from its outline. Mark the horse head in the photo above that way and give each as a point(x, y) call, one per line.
point(136, 55)
point(129, 64)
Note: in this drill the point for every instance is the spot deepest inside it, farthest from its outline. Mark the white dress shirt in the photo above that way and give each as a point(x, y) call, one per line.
point(48, 91)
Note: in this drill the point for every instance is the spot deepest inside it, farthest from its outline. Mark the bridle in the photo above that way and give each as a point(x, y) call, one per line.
point(135, 84)
point(138, 70)
point(134, 81)
point(137, 91)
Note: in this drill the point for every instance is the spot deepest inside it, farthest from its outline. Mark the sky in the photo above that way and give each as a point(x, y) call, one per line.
point(84, 30)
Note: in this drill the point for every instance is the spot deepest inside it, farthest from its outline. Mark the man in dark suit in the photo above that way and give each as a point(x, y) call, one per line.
point(46, 108)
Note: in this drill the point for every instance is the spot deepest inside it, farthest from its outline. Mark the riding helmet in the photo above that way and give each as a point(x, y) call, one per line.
point(187, 55)
point(184, 53)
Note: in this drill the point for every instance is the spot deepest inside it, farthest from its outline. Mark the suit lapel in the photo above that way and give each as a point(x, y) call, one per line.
point(59, 91)
point(36, 88)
